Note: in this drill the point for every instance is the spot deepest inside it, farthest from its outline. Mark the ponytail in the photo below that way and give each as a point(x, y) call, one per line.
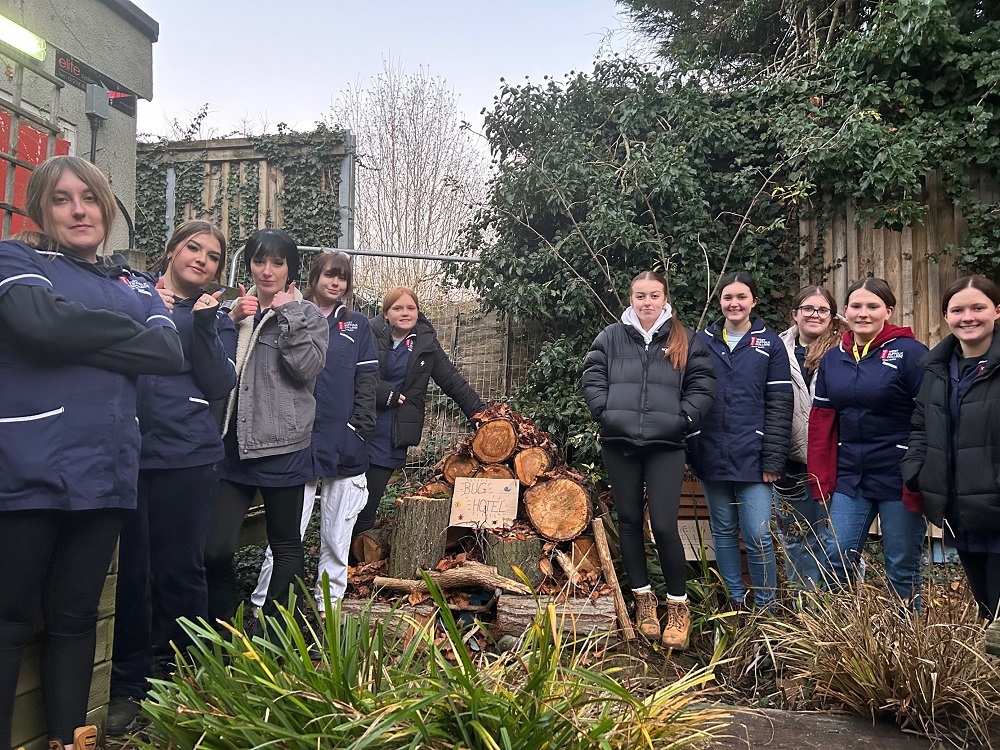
point(677, 344)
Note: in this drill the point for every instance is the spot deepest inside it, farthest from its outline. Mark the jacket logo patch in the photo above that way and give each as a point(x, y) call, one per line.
point(409, 345)
point(891, 355)
point(759, 343)
point(347, 325)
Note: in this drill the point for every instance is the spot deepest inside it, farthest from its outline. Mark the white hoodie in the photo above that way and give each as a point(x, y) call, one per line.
point(629, 318)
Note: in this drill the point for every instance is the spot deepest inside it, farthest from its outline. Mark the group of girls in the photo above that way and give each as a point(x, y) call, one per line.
point(831, 415)
point(139, 406)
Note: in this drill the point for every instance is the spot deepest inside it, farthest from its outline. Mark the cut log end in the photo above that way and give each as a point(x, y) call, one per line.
point(495, 471)
point(456, 465)
point(559, 509)
point(495, 441)
point(531, 462)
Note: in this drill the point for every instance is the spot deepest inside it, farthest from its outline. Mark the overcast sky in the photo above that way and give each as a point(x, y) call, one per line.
point(269, 62)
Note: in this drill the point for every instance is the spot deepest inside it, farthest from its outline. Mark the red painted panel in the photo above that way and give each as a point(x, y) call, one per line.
point(32, 146)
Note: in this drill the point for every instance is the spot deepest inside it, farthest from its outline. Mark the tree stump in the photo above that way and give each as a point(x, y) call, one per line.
point(495, 471)
point(531, 462)
point(579, 617)
point(559, 509)
point(504, 553)
point(436, 489)
point(372, 545)
point(456, 465)
point(495, 441)
point(419, 535)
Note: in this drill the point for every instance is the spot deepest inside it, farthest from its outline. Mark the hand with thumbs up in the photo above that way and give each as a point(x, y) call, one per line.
point(166, 295)
point(283, 298)
point(245, 307)
point(207, 301)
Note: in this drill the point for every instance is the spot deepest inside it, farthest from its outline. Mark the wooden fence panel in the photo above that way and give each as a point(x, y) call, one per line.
point(913, 261)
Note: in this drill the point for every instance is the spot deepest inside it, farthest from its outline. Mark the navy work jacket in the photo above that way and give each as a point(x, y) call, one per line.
point(178, 429)
point(69, 437)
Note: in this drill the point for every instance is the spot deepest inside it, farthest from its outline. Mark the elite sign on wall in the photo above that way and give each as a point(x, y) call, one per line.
point(79, 74)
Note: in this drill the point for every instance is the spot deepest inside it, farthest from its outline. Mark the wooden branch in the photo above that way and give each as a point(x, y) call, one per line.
point(469, 575)
point(566, 563)
point(601, 539)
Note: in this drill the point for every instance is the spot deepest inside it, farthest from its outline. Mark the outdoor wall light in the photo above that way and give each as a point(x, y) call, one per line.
point(21, 39)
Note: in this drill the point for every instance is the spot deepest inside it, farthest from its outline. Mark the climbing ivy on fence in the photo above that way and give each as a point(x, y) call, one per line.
point(308, 203)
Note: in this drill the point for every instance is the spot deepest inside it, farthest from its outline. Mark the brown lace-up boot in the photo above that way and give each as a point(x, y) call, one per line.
point(645, 614)
point(678, 629)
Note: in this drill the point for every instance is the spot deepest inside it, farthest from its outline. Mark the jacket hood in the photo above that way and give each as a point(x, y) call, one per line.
point(888, 333)
point(629, 318)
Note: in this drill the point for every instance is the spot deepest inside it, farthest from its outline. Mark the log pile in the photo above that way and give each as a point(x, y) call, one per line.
point(545, 547)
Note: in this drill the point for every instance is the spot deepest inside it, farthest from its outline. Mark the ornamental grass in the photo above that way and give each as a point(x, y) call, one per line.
point(355, 682)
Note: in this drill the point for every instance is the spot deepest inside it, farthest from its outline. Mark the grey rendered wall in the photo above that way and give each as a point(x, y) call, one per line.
point(97, 34)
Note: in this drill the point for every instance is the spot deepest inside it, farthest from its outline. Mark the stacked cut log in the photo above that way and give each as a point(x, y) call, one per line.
point(555, 506)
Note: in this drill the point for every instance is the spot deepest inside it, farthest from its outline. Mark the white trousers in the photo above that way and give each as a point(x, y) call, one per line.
point(341, 501)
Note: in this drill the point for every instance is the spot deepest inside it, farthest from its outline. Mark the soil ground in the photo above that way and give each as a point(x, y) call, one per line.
point(801, 730)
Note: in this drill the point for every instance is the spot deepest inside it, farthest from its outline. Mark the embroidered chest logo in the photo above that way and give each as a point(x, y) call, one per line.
point(761, 344)
point(409, 345)
point(347, 325)
point(891, 355)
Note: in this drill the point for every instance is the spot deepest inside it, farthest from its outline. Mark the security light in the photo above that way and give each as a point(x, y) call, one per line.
point(21, 39)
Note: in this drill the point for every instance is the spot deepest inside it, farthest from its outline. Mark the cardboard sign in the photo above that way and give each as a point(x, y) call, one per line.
point(484, 503)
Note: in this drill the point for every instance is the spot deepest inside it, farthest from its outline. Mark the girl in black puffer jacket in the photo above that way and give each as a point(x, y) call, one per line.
point(648, 381)
point(409, 355)
point(953, 457)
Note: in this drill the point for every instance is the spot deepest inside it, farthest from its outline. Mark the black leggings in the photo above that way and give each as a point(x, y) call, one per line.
point(283, 514)
point(378, 479)
point(983, 571)
point(56, 561)
point(661, 473)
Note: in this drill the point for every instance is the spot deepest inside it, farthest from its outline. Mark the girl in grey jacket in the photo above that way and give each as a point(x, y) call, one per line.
point(281, 348)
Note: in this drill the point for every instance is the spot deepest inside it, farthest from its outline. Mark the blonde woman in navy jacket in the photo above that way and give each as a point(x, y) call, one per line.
point(161, 556)
point(743, 444)
point(75, 332)
point(345, 417)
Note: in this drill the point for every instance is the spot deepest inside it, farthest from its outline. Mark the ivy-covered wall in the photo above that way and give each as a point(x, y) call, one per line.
point(288, 180)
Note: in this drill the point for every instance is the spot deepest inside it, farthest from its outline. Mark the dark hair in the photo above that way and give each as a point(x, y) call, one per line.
point(980, 283)
point(677, 340)
point(740, 277)
point(879, 287)
point(186, 231)
point(393, 295)
point(272, 243)
point(336, 261)
point(829, 338)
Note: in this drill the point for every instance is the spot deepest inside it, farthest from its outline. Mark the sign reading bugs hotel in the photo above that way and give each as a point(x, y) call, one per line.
point(79, 74)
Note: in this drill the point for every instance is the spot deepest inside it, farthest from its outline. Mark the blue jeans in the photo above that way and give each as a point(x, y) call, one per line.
point(746, 506)
point(902, 541)
point(802, 531)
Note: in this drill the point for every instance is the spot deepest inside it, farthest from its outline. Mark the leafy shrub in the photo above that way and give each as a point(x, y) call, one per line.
point(399, 684)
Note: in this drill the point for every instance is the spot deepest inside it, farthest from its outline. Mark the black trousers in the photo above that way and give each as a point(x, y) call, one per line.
point(983, 571)
point(660, 473)
point(378, 478)
point(283, 513)
point(54, 562)
point(161, 571)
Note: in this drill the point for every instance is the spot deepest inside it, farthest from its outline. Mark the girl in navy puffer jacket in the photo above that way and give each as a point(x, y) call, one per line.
point(743, 444)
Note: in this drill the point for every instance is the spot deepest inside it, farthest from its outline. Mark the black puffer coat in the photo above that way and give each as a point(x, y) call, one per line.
point(637, 395)
point(427, 360)
point(962, 485)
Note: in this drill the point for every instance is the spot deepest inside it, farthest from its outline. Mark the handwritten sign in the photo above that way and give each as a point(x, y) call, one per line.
point(484, 503)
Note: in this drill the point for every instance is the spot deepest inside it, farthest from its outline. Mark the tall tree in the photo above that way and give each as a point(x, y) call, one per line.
point(420, 174)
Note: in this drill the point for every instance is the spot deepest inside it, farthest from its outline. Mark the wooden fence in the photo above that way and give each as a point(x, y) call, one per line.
point(913, 261)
